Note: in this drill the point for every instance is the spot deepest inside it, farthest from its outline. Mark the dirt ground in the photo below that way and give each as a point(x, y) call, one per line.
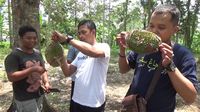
point(117, 86)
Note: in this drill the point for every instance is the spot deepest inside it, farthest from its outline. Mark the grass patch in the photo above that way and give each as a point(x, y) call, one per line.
point(3, 75)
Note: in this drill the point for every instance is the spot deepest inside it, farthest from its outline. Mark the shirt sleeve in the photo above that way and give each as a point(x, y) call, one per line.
point(188, 67)
point(74, 62)
point(11, 63)
point(106, 50)
point(71, 54)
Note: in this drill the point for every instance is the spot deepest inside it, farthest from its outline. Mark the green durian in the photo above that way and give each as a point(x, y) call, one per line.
point(53, 53)
point(142, 41)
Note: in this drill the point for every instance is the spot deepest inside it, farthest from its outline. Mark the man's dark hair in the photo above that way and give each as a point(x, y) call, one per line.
point(26, 28)
point(89, 23)
point(172, 9)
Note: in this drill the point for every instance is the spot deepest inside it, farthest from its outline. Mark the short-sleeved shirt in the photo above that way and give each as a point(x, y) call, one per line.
point(90, 83)
point(16, 61)
point(163, 98)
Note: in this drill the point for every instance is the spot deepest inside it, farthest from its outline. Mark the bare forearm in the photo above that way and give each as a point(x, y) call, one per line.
point(45, 78)
point(67, 68)
point(183, 86)
point(19, 75)
point(122, 61)
point(123, 65)
point(87, 49)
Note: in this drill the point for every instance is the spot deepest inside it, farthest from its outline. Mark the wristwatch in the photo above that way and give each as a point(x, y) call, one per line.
point(68, 39)
point(171, 67)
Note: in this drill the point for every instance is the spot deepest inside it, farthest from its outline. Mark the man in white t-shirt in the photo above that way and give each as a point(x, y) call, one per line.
point(90, 65)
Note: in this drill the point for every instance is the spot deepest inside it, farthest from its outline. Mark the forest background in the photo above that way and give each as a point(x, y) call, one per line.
point(110, 16)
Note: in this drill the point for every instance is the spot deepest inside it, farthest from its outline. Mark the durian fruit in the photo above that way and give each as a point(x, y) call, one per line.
point(142, 41)
point(53, 53)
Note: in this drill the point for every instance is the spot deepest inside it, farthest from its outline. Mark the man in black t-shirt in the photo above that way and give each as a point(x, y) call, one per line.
point(22, 63)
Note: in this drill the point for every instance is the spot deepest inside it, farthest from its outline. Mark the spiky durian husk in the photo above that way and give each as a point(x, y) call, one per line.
point(142, 41)
point(54, 53)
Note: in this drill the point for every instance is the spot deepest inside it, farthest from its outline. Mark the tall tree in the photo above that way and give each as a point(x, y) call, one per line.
point(190, 23)
point(25, 12)
point(10, 33)
point(1, 18)
point(125, 13)
point(188, 20)
point(1, 27)
point(147, 7)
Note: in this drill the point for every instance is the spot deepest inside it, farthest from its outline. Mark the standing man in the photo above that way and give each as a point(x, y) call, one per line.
point(179, 73)
point(18, 70)
point(90, 65)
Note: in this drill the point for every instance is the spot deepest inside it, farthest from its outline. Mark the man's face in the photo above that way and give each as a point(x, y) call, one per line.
point(84, 33)
point(162, 25)
point(29, 40)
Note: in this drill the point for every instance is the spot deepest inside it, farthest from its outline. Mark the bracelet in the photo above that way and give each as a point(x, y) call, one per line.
point(121, 56)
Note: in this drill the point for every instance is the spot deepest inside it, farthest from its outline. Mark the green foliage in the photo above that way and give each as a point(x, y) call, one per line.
point(1, 3)
point(1, 21)
point(61, 18)
point(196, 43)
point(1, 16)
point(114, 50)
point(64, 16)
point(111, 17)
point(4, 50)
point(4, 44)
point(188, 20)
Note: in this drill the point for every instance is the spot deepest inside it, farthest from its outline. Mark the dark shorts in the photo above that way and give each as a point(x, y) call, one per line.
point(72, 91)
point(80, 108)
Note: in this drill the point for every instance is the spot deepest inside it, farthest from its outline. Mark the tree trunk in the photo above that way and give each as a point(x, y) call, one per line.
point(187, 26)
point(125, 14)
point(147, 6)
point(194, 21)
point(10, 25)
point(25, 12)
